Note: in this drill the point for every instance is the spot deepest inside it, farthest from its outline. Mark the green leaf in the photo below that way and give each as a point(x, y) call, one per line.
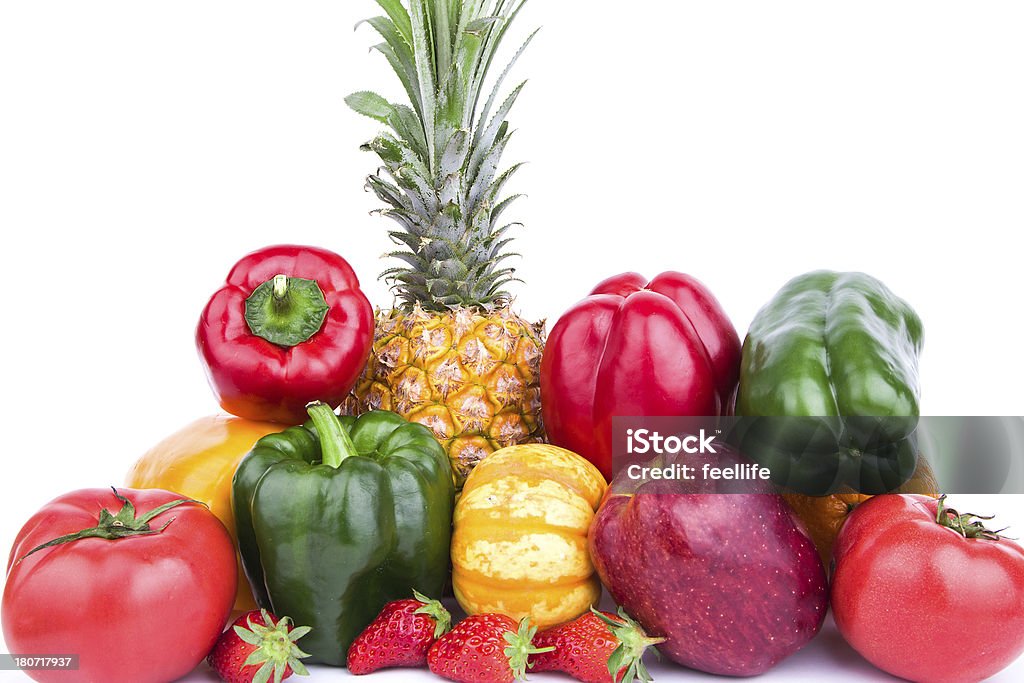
point(500, 207)
point(456, 11)
point(469, 52)
point(450, 105)
point(501, 29)
point(478, 26)
point(387, 148)
point(616, 661)
point(406, 74)
point(399, 54)
point(449, 199)
point(412, 259)
point(255, 658)
point(390, 33)
point(491, 42)
point(263, 675)
point(371, 104)
point(498, 185)
point(247, 636)
point(425, 71)
point(455, 152)
point(405, 122)
point(484, 174)
point(399, 16)
point(419, 190)
point(404, 238)
point(440, 22)
point(496, 89)
point(487, 136)
point(408, 221)
point(298, 667)
point(498, 249)
point(467, 47)
point(389, 193)
point(299, 632)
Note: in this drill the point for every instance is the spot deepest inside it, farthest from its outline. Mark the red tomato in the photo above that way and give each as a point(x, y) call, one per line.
point(145, 608)
point(928, 601)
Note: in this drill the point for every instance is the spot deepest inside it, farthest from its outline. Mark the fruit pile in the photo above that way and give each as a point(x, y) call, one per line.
point(372, 460)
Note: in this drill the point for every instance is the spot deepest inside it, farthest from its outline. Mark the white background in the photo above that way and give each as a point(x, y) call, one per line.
point(145, 146)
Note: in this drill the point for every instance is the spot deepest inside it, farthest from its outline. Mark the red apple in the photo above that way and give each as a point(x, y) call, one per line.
point(731, 580)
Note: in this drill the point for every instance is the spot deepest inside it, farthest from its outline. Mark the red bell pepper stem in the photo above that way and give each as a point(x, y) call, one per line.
point(286, 311)
point(280, 286)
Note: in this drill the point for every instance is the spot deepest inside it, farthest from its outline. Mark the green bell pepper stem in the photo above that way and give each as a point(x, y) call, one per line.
point(335, 443)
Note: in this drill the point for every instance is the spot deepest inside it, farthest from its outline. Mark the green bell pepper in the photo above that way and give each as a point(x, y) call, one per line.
point(836, 355)
point(340, 516)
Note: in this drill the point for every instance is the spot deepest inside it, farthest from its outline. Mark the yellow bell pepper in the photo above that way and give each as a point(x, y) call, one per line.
point(199, 462)
point(520, 542)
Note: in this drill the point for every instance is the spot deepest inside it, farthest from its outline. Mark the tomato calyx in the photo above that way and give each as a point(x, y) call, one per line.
point(113, 527)
point(967, 524)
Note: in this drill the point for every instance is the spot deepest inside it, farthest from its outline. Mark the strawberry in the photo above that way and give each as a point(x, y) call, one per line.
point(484, 648)
point(597, 647)
point(401, 635)
point(256, 647)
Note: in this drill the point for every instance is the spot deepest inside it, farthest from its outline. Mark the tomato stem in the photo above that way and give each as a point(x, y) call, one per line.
point(967, 525)
point(122, 525)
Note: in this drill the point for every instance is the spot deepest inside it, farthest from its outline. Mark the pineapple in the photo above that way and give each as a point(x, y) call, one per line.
point(453, 355)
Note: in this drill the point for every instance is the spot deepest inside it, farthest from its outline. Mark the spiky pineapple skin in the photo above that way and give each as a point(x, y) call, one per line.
point(472, 376)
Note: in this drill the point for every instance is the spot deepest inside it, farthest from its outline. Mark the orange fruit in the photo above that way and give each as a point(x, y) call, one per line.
point(824, 516)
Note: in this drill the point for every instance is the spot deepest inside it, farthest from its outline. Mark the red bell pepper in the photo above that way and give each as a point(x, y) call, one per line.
point(289, 327)
point(636, 348)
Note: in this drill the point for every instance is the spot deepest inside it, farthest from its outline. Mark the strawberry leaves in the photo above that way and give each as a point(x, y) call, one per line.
point(436, 611)
point(276, 650)
point(626, 662)
point(520, 647)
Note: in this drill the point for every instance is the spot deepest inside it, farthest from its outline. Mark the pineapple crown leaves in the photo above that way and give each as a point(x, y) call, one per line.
point(626, 662)
point(441, 179)
point(276, 650)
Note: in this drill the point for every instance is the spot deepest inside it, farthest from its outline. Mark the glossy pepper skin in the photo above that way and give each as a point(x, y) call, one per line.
point(838, 352)
point(636, 348)
point(271, 344)
point(340, 516)
point(198, 462)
